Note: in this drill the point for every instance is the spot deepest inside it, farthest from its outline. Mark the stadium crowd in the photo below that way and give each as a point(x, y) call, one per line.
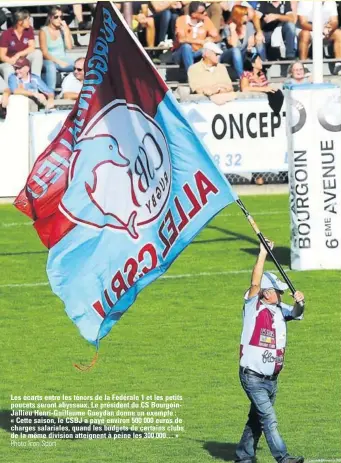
point(216, 43)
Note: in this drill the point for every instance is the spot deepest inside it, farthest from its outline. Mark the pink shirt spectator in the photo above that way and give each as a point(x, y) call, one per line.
point(260, 81)
point(10, 40)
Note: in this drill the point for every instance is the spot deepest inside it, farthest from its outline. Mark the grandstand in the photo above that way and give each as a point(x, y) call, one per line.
point(172, 73)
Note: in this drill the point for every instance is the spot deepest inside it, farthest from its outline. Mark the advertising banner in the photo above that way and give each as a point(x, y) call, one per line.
point(314, 115)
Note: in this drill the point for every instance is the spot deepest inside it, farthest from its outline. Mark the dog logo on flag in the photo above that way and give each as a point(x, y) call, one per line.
point(119, 179)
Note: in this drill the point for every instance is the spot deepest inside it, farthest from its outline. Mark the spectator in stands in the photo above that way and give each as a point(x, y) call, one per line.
point(214, 11)
point(55, 38)
point(22, 82)
point(192, 31)
point(297, 74)
point(143, 21)
point(331, 33)
point(278, 15)
point(16, 42)
point(209, 77)
point(228, 6)
point(253, 78)
point(239, 34)
point(165, 16)
point(72, 84)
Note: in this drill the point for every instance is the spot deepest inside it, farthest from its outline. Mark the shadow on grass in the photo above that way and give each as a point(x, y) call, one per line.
point(64, 430)
point(229, 236)
point(221, 450)
point(282, 254)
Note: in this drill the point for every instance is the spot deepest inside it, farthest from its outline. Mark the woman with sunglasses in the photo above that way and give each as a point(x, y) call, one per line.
point(55, 38)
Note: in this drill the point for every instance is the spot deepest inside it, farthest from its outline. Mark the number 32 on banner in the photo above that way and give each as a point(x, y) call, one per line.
point(229, 160)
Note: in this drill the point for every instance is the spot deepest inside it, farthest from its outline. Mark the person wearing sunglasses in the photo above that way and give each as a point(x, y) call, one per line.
point(55, 38)
point(192, 31)
point(72, 84)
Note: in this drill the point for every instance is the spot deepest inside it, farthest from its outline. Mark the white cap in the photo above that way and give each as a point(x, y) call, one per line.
point(270, 280)
point(213, 47)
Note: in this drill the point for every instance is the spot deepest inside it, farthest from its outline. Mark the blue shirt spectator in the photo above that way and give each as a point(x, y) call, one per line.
point(22, 82)
point(32, 83)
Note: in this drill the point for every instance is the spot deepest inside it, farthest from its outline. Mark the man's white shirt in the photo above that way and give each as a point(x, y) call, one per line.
point(264, 336)
point(71, 84)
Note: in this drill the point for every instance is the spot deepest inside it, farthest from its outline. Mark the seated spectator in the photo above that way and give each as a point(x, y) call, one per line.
point(192, 31)
point(240, 37)
point(214, 11)
point(17, 42)
point(297, 74)
point(209, 77)
point(165, 16)
point(143, 21)
point(274, 15)
point(55, 39)
point(331, 33)
point(22, 82)
point(228, 7)
point(73, 83)
point(253, 78)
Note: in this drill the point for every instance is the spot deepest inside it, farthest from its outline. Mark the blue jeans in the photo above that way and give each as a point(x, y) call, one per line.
point(262, 394)
point(289, 37)
point(186, 56)
point(166, 19)
point(51, 69)
point(235, 57)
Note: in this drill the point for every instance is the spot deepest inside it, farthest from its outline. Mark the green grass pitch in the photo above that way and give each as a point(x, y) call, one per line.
point(181, 337)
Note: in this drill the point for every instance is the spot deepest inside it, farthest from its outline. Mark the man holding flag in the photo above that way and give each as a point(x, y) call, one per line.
point(262, 352)
point(125, 186)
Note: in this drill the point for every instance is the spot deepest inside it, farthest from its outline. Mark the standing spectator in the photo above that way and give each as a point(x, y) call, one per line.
point(262, 351)
point(16, 42)
point(331, 32)
point(209, 77)
point(274, 15)
point(73, 83)
point(55, 39)
point(22, 82)
point(192, 31)
point(240, 37)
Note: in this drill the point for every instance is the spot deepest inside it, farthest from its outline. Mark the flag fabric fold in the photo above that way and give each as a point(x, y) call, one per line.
point(125, 186)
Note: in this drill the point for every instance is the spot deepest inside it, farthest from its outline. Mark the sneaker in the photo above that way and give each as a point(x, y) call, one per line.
point(337, 69)
point(293, 460)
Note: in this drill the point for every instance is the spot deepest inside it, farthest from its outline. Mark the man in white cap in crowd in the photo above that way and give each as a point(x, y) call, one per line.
point(210, 78)
point(262, 351)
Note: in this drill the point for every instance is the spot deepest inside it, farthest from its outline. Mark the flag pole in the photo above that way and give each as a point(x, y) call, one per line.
point(267, 247)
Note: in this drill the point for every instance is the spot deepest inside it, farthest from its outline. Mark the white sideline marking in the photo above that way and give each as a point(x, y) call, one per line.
point(164, 277)
point(333, 460)
point(14, 224)
point(25, 224)
point(257, 213)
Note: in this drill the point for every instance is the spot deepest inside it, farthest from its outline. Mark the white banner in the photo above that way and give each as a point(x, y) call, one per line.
point(314, 125)
point(14, 136)
point(243, 135)
point(43, 129)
